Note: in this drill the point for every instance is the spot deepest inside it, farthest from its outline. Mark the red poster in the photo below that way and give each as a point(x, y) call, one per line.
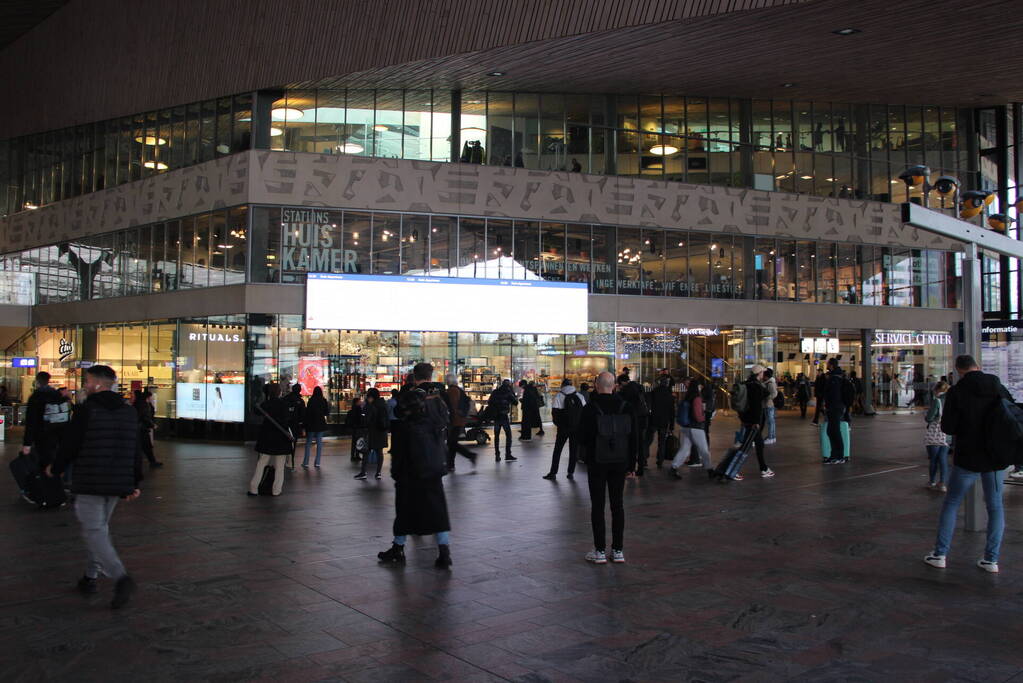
point(311, 374)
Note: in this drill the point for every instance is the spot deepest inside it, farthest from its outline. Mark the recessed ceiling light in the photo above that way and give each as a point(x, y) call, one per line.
point(663, 150)
point(274, 132)
point(156, 165)
point(286, 114)
point(150, 140)
point(474, 101)
point(381, 128)
point(788, 85)
point(806, 177)
point(350, 148)
point(846, 31)
point(496, 73)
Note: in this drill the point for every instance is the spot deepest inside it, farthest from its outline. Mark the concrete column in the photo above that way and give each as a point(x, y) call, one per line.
point(973, 508)
point(867, 370)
point(456, 125)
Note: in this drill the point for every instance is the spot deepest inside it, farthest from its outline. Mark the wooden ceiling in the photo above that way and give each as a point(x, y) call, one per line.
point(18, 17)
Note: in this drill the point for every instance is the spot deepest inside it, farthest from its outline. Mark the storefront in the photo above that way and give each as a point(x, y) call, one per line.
point(906, 364)
point(1002, 353)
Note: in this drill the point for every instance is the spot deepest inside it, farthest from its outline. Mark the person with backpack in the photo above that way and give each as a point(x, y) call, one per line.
point(936, 441)
point(314, 421)
point(662, 415)
point(770, 405)
point(459, 404)
point(418, 467)
point(690, 419)
point(606, 434)
point(102, 444)
point(984, 422)
point(274, 441)
point(46, 419)
point(498, 409)
point(355, 421)
point(377, 425)
point(748, 402)
point(834, 399)
point(802, 394)
point(632, 393)
point(567, 410)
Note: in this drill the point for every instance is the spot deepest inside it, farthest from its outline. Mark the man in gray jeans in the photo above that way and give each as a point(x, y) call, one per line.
point(102, 442)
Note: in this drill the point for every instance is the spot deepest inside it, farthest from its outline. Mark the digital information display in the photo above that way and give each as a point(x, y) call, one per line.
point(337, 301)
point(21, 362)
point(217, 402)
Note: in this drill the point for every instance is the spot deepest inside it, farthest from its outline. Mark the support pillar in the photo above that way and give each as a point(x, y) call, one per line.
point(973, 509)
point(867, 370)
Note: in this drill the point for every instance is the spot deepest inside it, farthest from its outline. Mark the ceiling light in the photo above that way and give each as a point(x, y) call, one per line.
point(150, 140)
point(381, 128)
point(806, 177)
point(496, 73)
point(286, 114)
point(157, 165)
point(663, 150)
point(788, 85)
point(274, 132)
point(830, 180)
point(474, 101)
point(350, 148)
point(473, 129)
point(31, 206)
point(846, 31)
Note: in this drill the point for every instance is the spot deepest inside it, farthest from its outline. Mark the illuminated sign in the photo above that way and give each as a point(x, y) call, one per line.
point(18, 362)
point(819, 345)
point(912, 338)
point(65, 348)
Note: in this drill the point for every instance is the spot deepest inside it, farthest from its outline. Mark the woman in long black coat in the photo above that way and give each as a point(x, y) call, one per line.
point(420, 505)
point(273, 443)
point(530, 411)
point(377, 425)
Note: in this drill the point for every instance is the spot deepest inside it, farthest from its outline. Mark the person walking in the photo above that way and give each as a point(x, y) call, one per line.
point(690, 419)
point(964, 418)
point(632, 393)
point(418, 454)
point(936, 441)
point(802, 394)
point(605, 428)
point(834, 399)
point(46, 419)
point(567, 410)
point(458, 404)
point(857, 384)
point(296, 413)
point(530, 411)
point(376, 424)
point(392, 405)
point(314, 421)
point(771, 387)
point(102, 444)
point(498, 409)
point(662, 415)
point(355, 421)
point(584, 392)
point(752, 418)
point(143, 404)
point(274, 441)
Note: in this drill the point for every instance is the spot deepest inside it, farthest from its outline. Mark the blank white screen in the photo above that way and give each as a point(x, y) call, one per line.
point(431, 304)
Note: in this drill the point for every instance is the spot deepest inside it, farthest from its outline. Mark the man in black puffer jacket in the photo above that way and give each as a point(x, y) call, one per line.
point(102, 442)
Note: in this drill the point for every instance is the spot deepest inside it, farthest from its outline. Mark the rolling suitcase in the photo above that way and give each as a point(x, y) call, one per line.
point(735, 458)
point(46, 492)
point(826, 442)
point(23, 469)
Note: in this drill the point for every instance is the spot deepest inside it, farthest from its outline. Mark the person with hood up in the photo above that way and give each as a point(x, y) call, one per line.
point(46, 420)
point(567, 410)
point(530, 411)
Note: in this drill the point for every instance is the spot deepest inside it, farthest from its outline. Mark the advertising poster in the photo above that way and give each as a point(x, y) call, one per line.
point(312, 373)
point(216, 402)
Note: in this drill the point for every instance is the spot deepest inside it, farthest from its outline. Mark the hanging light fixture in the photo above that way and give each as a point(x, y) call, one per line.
point(156, 165)
point(286, 114)
point(274, 132)
point(350, 148)
point(381, 128)
point(663, 150)
point(150, 140)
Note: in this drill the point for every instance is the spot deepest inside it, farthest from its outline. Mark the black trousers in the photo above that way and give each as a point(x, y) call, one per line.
point(146, 437)
point(758, 442)
point(802, 407)
point(573, 450)
point(662, 439)
point(455, 447)
point(502, 422)
point(835, 436)
point(609, 478)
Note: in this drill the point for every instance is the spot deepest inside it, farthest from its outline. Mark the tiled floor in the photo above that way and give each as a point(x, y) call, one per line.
point(812, 575)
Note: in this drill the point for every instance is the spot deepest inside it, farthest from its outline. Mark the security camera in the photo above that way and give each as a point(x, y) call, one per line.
point(946, 185)
point(915, 175)
point(999, 222)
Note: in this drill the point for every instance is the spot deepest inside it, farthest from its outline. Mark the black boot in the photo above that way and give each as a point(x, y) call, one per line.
point(396, 555)
point(123, 590)
point(444, 559)
point(87, 585)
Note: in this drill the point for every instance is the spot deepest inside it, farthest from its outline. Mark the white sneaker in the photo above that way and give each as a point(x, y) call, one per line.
point(617, 556)
point(983, 564)
point(935, 560)
point(1018, 474)
point(768, 442)
point(767, 473)
point(596, 557)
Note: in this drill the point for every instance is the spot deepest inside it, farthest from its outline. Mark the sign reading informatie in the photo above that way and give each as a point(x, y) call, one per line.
point(439, 304)
point(912, 338)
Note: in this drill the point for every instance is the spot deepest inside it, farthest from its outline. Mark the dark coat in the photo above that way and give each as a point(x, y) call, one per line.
point(502, 399)
point(378, 424)
point(420, 505)
point(146, 414)
point(316, 413)
point(271, 440)
point(296, 411)
point(530, 407)
point(965, 406)
point(755, 395)
point(39, 432)
point(662, 407)
point(102, 442)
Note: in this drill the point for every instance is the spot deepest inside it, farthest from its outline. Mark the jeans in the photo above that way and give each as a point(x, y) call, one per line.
point(443, 538)
point(94, 514)
point(769, 421)
point(959, 483)
point(502, 422)
point(939, 463)
point(278, 462)
point(609, 477)
point(690, 437)
point(565, 435)
point(310, 437)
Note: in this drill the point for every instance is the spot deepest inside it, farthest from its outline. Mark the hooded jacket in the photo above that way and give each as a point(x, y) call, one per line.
point(103, 443)
point(46, 418)
point(966, 405)
point(662, 406)
point(558, 404)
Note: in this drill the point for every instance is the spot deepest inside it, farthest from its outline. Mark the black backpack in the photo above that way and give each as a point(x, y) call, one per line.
point(428, 439)
point(1003, 433)
point(613, 436)
point(572, 411)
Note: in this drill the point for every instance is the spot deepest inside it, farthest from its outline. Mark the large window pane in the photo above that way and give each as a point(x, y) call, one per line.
point(500, 248)
point(527, 248)
point(552, 250)
point(386, 243)
point(676, 263)
point(415, 244)
point(577, 239)
point(219, 248)
point(357, 240)
point(202, 250)
point(722, 256)
point(826, 272)
point(236, 242)
point(699, 264)
point(765, 257)
point(500, 128)
point(443, 236)
point(630, 255)
point(806, 257)
point(605, 260)
point(417, 125)
point(472, 247)
point(848, 274)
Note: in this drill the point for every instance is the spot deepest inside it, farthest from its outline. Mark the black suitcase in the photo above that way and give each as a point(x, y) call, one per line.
point(24, 469)
point(46, 492)
point(266, 484)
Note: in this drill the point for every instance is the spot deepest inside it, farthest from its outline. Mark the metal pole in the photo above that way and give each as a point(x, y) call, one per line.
point(973, 510)
point(867, 370)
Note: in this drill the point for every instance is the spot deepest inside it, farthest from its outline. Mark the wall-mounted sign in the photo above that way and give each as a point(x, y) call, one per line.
point(681, 331)
point(65, 348)
point(19, 362)
point(311, 242)
point(1002, 327)
point(912, 338)
point(819, 345)
point(700, 331)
